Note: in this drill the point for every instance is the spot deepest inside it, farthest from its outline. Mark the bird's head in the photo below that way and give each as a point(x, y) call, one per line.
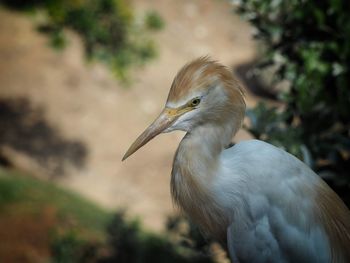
point(203, 92)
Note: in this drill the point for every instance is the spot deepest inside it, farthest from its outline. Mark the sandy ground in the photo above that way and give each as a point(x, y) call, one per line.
point(73, 122)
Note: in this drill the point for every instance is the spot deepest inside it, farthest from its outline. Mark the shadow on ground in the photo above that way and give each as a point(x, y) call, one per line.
point(24, 129)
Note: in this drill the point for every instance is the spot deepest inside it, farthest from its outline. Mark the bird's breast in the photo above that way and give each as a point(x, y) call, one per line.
point(195, 170)
point(192, 195)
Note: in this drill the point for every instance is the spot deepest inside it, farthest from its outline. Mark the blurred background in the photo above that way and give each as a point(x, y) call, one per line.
point(81, 79)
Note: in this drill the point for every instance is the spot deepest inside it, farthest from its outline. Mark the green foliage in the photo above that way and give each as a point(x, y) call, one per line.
point(57, 39)
point(107, 28)
point(129, 243)
point(66, 248)
point(154, 21)
point(189, 234)
point(308, 44)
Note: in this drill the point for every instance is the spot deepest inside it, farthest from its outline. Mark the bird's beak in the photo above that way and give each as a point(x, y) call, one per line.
point(167, 117)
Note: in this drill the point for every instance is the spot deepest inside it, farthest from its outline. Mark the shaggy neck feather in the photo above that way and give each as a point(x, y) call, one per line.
point(195, 166)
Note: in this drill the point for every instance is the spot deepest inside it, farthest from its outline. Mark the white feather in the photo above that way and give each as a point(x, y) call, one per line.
point(270, 210)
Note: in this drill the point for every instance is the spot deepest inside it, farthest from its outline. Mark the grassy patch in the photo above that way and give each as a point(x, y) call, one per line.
point(40, 222)
point(24, 194)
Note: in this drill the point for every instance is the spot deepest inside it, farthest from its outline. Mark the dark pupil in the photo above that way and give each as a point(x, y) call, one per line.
point(195, 102)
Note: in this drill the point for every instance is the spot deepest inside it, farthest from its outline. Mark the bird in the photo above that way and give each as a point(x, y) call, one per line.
point(262, 203)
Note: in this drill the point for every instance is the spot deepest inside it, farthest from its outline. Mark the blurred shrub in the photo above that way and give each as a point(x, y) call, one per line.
point(308, 45)
point(188, 235)
point(154, 21)
point(129, 243)
point(107, 28)
point(57, 39)
point(66, 248)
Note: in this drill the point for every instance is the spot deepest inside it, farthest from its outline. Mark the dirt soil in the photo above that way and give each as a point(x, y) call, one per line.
point(26, 238)
point(70, 121)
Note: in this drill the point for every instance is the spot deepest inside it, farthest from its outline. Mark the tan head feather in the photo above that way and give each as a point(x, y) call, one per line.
point(200, 73)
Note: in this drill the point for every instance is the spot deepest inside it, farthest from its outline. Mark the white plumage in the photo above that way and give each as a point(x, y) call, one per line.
point(260, 201)
point(277, 220)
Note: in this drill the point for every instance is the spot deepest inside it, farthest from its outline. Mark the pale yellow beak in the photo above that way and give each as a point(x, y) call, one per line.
point(167, 117)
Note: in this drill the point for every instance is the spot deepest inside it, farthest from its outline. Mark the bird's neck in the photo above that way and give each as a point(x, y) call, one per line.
point(195, 167)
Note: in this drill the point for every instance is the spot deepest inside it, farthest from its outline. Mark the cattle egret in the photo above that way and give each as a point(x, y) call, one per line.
point(260, 201)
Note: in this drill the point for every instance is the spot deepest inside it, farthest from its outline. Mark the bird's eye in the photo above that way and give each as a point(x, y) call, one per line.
point(195, 102)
